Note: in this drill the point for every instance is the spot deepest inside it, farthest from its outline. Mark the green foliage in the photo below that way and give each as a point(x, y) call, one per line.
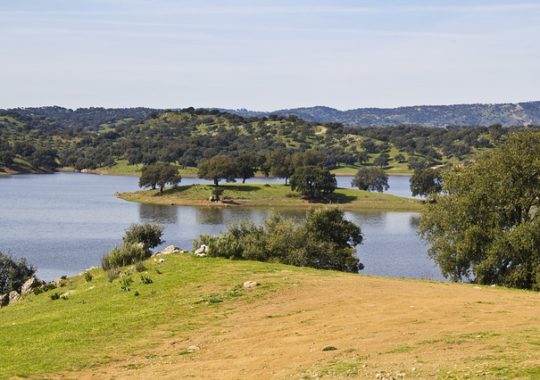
point(425, 182)
point(246, 165)
point(485, 225)
point(148, 234)
point(314, 182)
point(159, 174)
point(146, 280)
point(55, 296)
point(325, 240)
point(124, 255)
point(371, 179)
point(140, 267)
point(217, 168)
point(125, 283)
point(88, 276)
point(112, 274)
point(13, 273)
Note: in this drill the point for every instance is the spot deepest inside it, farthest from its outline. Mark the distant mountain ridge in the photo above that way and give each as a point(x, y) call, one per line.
point(506, 114)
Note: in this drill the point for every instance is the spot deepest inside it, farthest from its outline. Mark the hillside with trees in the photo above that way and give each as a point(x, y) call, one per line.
point(32, 141)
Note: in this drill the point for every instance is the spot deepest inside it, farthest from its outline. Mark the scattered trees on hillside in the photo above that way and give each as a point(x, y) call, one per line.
point(159, 175)
point(313, 182)
point(484, 226)
point(371, 179)
point(325, 240)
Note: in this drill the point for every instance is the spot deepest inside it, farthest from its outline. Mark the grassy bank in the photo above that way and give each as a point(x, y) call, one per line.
point(269, 195)
point(195, 320)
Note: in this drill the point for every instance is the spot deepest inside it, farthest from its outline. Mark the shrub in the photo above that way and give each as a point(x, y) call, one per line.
point(55, 296)
point(13, 273)
point(88, 276)
point(139, 267)
point(125, 255)
point(326, 240)
point(146, 280)
point(147, 234)
point(125, 283)
point(112, 274)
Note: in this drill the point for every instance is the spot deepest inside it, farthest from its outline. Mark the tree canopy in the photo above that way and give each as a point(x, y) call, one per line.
point(426, 181)
point(485, 225)
point(314, 182)
point(217, 168)
point(371, 179)
point(159, 174)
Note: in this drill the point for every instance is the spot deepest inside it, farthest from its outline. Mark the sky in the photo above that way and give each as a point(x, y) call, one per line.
point(267, 55)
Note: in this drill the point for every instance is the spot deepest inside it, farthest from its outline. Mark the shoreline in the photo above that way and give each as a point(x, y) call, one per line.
point(258, 195)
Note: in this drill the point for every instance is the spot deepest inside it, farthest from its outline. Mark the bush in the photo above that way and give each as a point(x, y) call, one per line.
point(112, 274)
point(139, 267)
point(88, 276)
point(125, 283)
point(125, 255)
point(146, 280)
point(147, 234)
point(325, 240)
point(13, 273)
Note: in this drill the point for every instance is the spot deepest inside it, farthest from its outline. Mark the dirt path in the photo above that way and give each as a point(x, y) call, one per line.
point(379, 327)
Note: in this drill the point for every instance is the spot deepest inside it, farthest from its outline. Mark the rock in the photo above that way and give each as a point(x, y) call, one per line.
point(31, 284)
point(14, 296)
point(202, 250)
point(170, 249)
point(4, 300)
point(193, 348)
point(159, 261)
point(250, 284)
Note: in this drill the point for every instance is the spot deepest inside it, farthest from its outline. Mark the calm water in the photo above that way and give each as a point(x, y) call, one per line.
point(64, 223)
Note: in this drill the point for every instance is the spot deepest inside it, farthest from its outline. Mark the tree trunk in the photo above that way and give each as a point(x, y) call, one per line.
point(216, 182)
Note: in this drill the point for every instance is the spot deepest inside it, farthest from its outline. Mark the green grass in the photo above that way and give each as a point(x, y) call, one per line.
point(99, 321)
point(270, 195)
point(123, 168)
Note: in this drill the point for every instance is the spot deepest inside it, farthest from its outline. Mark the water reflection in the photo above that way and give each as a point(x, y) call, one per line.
point(209, 215)
point(157, 214)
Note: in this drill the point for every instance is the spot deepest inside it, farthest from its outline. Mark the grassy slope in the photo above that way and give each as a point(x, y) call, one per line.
point(278, 330)
point(275, 195)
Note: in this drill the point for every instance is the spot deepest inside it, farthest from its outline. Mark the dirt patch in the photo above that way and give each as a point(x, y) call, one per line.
point(376, 328)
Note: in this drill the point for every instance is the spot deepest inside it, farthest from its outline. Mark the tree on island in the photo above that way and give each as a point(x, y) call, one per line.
point(425, 182)
point(217, 168)
point(313, 182)
point(371, 179)
point(246, 165)
point(484, 226)
point(159, 175)
point(281, 165)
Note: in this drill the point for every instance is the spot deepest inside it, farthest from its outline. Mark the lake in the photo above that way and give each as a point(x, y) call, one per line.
point(65, 222)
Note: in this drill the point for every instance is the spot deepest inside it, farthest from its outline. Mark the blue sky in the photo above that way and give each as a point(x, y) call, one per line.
point(266, 55)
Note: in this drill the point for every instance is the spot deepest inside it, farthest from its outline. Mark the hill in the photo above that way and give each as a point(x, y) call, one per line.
point(44, 139)
point(196, 320)
point(505, 114)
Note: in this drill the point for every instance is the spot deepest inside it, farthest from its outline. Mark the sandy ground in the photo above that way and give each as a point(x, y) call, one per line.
point(380, 329)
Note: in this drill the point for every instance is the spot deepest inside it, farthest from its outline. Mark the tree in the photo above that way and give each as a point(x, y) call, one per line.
point(217, 168)
point(246, 165)
point(314, 182)
point(400, 158)
point(484, 226)
point(280, 165)
point(371, 179)
point(147, 234)
point(44, 158)
point(381, 160)
point(159, 174)
point(363, 157)
point(310, 157)
point(13, 273)
point(425, 182)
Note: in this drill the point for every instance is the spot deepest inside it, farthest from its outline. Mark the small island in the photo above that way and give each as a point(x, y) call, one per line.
point(269, 195)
